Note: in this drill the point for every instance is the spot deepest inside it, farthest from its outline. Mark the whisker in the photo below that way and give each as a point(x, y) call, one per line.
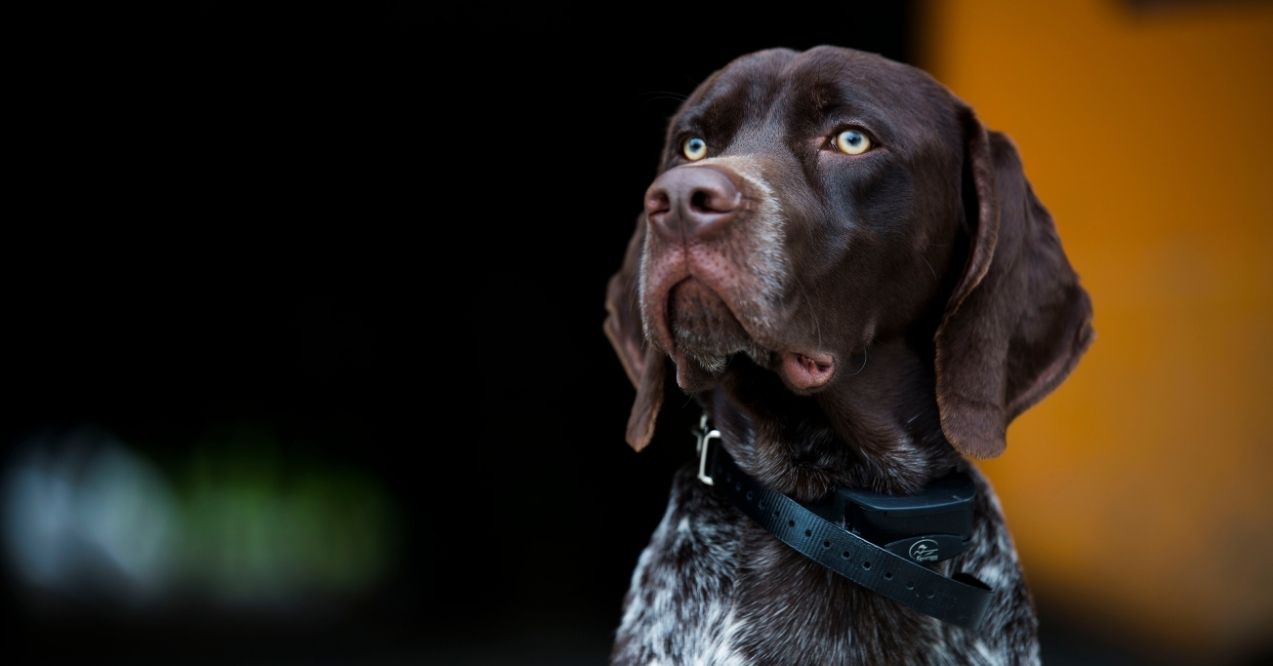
point(865, 354)
point(663, 95)
point(929, 265)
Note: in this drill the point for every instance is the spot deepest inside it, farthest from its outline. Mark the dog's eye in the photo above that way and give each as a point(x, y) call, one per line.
point(852, 142)
point(694, 149)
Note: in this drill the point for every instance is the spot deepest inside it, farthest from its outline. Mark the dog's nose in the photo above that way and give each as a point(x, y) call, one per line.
point(692, 201)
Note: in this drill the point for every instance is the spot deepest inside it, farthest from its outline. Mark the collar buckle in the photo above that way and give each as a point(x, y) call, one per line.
point(704, 438)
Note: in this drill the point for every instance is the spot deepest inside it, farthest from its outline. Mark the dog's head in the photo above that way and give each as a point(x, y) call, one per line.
point(811, 204)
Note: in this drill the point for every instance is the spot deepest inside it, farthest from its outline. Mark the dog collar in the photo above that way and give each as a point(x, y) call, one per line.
point(840, 533)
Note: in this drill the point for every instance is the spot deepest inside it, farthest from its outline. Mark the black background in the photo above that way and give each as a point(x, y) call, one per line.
point(384, 233)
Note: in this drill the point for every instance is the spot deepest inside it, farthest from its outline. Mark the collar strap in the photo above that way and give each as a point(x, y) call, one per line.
point(960, 600)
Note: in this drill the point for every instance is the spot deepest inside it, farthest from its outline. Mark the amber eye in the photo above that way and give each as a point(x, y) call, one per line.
point(852, 142)
point(694, 149)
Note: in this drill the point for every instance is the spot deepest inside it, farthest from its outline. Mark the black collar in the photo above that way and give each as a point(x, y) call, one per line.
point(875, 540)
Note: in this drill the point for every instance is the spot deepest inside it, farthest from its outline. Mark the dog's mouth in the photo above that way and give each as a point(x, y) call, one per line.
point(706, 336)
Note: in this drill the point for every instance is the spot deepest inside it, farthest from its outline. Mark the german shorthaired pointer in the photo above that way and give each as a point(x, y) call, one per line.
point(855, 281)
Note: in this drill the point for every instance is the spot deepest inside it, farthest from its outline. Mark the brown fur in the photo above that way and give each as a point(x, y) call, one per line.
point(925, 267)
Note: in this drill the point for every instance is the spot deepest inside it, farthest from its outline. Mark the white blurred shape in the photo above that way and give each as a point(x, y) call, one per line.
point(38, 520)
point(125, 508)
point(83, 513)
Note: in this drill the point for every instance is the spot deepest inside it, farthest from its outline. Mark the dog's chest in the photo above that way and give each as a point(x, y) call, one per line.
point(710, 589)
point(679, 609)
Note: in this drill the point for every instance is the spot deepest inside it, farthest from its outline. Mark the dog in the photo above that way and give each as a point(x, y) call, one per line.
point(855, 281)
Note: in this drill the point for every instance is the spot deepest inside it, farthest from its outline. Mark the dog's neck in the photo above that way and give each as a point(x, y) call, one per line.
point(867, 430)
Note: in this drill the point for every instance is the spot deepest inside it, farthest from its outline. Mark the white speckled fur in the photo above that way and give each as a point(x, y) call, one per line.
point(693, 599)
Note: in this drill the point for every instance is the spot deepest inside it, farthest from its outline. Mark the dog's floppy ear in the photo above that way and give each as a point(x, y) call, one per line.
point(1018, 320)
point(644, 363)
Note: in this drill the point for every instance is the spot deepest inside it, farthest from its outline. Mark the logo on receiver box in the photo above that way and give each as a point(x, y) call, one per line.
point(924, 550)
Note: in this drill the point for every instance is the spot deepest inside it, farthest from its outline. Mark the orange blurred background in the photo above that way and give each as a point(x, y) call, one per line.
point(1138, 492)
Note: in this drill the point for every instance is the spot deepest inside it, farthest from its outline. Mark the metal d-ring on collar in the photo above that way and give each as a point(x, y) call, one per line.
point(960, 600)
point(704, 437)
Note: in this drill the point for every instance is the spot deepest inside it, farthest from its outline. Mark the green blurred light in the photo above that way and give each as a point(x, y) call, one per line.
point(257, 529)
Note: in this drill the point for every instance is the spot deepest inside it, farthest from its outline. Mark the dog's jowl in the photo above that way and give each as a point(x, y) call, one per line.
point(852, 277)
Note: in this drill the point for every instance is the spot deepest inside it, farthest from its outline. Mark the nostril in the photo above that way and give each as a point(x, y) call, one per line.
point(657, 202)
point(701, 201)
point(707, 200)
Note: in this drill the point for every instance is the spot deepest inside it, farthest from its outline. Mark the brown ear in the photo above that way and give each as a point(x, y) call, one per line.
point(644, 364)
point(1017, 321)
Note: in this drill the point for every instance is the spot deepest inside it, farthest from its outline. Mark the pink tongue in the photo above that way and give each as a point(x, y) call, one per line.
point(807, 371)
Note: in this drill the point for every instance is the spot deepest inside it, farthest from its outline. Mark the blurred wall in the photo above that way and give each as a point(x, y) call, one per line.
point(1138, 493)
